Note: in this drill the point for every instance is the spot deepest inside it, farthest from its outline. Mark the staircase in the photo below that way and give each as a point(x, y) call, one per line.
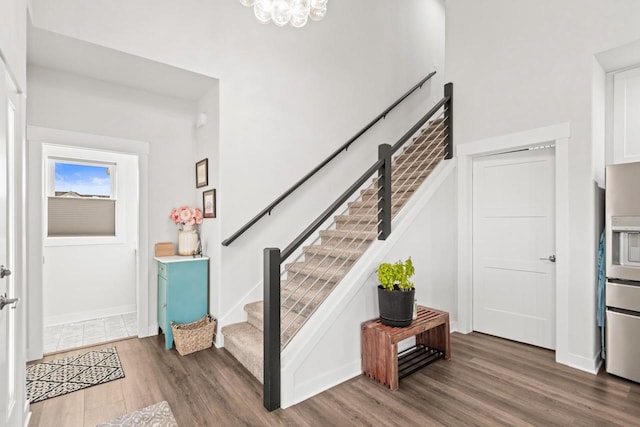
point(308, 280)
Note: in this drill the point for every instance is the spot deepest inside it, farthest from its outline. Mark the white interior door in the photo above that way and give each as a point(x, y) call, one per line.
point(513, 238)
point(12, 381)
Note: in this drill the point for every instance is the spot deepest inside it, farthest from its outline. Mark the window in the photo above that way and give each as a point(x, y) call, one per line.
point(81, 198)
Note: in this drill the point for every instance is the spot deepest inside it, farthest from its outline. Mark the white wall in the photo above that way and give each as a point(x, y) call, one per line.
point(431, 242)
point(522, 65)
point(87, 282)
point(86, 278)
point(13, 39)
point(61, 100)
point(288, 97)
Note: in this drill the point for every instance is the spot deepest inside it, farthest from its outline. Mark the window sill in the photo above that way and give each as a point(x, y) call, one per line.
point(83, 241)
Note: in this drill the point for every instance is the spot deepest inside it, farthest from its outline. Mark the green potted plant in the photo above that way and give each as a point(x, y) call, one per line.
point(396, 293)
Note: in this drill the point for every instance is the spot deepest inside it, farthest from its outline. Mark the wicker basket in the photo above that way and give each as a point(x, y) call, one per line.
point(194, 336)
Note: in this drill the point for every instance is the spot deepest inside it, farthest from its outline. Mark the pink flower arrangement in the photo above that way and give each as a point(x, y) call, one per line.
point(186, 215)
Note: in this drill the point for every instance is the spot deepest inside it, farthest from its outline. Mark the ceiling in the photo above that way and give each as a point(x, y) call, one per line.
point(53, 50)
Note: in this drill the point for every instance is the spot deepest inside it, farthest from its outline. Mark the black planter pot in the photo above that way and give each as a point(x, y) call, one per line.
point(396, 307)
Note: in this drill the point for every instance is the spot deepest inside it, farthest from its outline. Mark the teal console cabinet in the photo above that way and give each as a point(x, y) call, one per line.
point(182, 291)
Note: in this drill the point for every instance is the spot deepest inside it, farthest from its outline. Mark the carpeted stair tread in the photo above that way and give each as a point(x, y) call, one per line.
point(352, 245)
point(255, 314)
point(408, 174)
point(425, 142)
point(346, 249)
point(397, 190)
point(333, 272)
point(362, 218)
point(357, 222)
point(420, 160)
point(303, 296)
point(244, 342)
point(357, 226)
point(337, 235)
point(433, 148)
point(371, 207)
point(362, 204)
point(433, 134)
point(404, 184)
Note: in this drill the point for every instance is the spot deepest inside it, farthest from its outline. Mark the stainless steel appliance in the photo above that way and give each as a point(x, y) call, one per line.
point(623, 270)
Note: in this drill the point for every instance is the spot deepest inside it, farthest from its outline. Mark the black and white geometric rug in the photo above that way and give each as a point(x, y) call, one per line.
point(61, 376)
point(158, 415)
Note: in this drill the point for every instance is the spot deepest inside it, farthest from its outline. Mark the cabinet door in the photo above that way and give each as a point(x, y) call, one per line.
point(626, 128)
point(187, 291)
point(623, 351)
point(162, 304)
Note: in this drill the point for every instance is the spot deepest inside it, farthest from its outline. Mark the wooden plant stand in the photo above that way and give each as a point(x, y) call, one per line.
point(380, 358)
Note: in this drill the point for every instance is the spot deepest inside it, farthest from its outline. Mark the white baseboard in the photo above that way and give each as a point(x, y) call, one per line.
point(453, 326)
point(599, 365)
point(88, 315)
point(591, 365)
point(219, 341)
point(152, 331)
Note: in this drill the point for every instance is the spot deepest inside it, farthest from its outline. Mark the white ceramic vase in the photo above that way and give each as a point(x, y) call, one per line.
point(187, 240)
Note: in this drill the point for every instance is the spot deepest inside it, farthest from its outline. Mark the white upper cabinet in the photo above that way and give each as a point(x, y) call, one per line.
point(626, 117)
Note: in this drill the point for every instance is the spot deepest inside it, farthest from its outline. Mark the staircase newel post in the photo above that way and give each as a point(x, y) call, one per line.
point(448, 120)
point(384, 191)
point(271, 382)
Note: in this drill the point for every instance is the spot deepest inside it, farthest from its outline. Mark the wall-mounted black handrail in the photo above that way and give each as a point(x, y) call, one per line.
point(332, 156)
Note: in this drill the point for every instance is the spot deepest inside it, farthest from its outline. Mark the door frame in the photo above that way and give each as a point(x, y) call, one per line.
point(17, 98)
point(557, 135)
point(36, 138)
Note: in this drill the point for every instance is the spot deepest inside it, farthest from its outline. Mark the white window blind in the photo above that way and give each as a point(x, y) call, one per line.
point(81, 217)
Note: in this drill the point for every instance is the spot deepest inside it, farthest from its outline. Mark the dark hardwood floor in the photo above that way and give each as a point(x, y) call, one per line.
point(488, 381)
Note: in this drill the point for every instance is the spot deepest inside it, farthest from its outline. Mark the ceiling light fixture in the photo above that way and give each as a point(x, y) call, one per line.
point(282, 12)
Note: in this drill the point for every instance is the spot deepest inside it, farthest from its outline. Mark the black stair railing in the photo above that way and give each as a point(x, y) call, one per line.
point(274, 258)
point(343, 147)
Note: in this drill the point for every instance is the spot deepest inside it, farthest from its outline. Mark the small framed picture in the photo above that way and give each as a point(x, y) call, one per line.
point(202, 173)
point(209, 204)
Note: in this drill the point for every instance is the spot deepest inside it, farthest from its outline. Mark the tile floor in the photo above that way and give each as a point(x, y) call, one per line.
point(80, 334)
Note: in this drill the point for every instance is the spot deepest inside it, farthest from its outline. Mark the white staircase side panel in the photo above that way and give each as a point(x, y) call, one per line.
point(326, 351)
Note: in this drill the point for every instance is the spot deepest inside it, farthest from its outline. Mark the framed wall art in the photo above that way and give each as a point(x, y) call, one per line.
point(209, 204)
point(202, 173)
